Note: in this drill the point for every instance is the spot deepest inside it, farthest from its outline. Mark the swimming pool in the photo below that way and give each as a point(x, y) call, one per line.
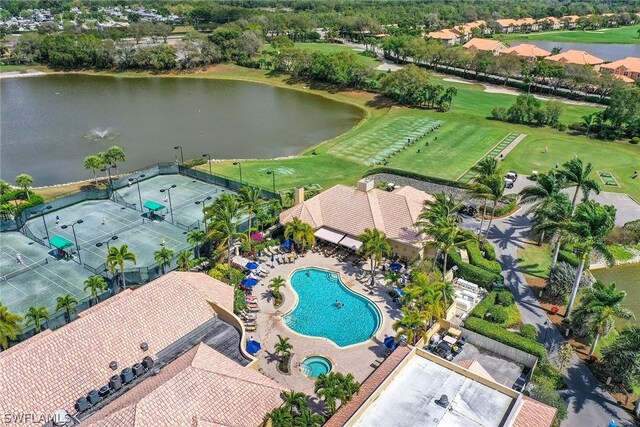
point(317, 315)
point(316, 365)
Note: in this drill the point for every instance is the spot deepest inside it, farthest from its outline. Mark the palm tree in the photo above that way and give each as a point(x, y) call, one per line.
point(224, 215)
point(114, 155)
point(411, 325)
point(543, 193)
point(116, 258)
point(163, 257)
point(300, 232)
point(591, 223)
point(326, 388)
point(427, 297)
point(280, 417)
point(308, 418)
point(487, 167)
point(374, 246)
point(250, 199)
point(184, 260)
point(575, 174)
point(443, 206)
point(196, 238)
point(24, 181)
point(621, 359)
point(554, 216)
point(294, 401)
point(275, 285)
point(67, 303)
point(95, 285)
point(600, 307)
point(489, 188)
point(283, 348)
point(94, 163)
point(9, 326)
point(448, 291)
point(35, 316)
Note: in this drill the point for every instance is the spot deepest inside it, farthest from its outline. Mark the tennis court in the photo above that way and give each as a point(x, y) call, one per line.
point(385, 139)
point(39, 279)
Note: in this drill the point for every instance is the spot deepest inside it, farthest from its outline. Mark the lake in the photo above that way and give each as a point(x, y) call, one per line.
point(608, 52)
point(627, 278)
point(49, 124)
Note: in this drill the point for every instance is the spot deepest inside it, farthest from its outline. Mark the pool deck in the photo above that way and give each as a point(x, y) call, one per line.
point(355, 359)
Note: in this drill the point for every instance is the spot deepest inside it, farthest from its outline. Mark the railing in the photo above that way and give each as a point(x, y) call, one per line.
point(224, 181)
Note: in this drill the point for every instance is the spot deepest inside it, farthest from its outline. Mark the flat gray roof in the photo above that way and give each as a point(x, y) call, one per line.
point(409, 399)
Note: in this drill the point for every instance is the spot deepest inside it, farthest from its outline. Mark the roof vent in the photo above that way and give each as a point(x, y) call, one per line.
point(443, 401)
point(127, 375)
point(365, 185)
point(156, 370)
point(113, 365)
point(144, 346)
point(147, 362)
point(115, 382)
point(60, 417)
point(93, 397)
point(82, 404)
point(137, 369)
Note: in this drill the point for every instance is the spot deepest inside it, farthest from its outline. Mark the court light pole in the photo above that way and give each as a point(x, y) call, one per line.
point(73, 228)
point(204, 205)
point(179, 147)
point(106, 242)
point(240, 168)
point(137, 180)
point(46, 230)
point(168, 190)
point(209, 157)
point(273, 176)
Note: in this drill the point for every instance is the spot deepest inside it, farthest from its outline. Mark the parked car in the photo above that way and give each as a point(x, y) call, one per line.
point(512, 175)
point(508, 183)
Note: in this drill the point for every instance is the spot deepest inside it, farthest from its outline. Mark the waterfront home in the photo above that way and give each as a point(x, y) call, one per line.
point(527, 51)
point(628, 67)
point(579, 57)
point(487, 45)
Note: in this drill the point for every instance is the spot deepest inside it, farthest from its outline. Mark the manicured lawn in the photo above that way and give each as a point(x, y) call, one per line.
point(535, 260)
point(620, 253)
point(7, 68)
point(333, 47)
point(624, 35)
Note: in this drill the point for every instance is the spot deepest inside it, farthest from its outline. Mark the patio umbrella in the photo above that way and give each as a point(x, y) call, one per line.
point(249, 282)
point(287, 244)
point(390, 343)
point(253, 347)
point(252, 265)
point(399, 292)
point(396, 266)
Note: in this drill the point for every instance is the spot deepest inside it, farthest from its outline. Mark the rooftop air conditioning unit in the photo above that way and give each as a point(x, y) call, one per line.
point(93, 397)
point(127, 375)
point(115, 382)
point(82, 404)
point(137, 369)
point(147, 362)
point(104, 391)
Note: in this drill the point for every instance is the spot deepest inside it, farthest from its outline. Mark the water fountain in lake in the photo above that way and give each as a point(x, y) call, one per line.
point(97, 134)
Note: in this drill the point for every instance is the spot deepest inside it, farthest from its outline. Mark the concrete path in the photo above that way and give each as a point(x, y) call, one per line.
point(588, 403)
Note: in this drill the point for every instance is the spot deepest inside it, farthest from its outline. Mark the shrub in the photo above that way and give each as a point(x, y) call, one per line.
point(414, 175)
point(498, 333)
point(481, 309)
point(477, 275)
point(561, 127)
point(191, 163)
point(504, 298)
point(576, 126)
point(560, 281)
point(489, 251)
point(506, 208)
point(529, 331)
point(476, 258)
point(568, 257)
point(497, 314)
point(550, 397)
point(549, 375)
point(635, 140)
point(499, 113)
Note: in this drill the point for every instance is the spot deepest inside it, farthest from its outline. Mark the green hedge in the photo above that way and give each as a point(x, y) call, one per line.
point(489, 251)
point(417, 176)
point(477, 275)
point(504, 315)
point(569, 257)
point(476, 258)
point(529, 331)
point(498, 333)
point(502, 210)
point(481, 309)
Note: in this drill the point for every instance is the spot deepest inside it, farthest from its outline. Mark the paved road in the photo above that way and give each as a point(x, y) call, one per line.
point(589, 405)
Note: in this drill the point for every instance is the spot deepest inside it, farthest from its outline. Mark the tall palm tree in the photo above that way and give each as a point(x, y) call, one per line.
point(196, 238)
point(348, 387)
point(300, 232)
point(224, 216)
point(251, 200)
point(484, 168)
point(411, 325)
point(600, 307)
point(375, 246)
point(9, 326)
point(24, 181)
point(326, 388)
point(283, 347)
point(591, 223)
point(448, 291)
point(294, 401)
point(114, 155)
point(184, 260)
point(575, 174)
point(542, 194)
point(280, 417)
point(67, 303)
point(621, 359)
point(489, 188)
point(94, 163)
point(116, 258)
point(427, 297)
point(308, 418)
point(163, 257)
point(554, 216)
point(275, 285)
point(443, 206)
point(35, 316)
point(95, 285)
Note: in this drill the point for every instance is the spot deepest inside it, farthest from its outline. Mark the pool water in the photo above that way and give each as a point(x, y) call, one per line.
point(316, 365)
point(354, 320)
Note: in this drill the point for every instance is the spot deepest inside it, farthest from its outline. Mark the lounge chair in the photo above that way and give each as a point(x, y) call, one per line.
point(250, 328)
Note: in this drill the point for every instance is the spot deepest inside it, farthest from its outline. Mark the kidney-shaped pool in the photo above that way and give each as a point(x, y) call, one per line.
point(328, 309)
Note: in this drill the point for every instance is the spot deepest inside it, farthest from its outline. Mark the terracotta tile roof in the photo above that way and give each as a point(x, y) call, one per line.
point(485, 44)
point(368, 387)
point(579, 57)
point(443, 34)
point(204, 389)
point(53, 369)
point(506, 22)
point(534, 414)
point(526, 50)
point(623, 78)
point(551, 19)
point(628, 64)
point(570, 18)
point(351, 211)
point(474, 366)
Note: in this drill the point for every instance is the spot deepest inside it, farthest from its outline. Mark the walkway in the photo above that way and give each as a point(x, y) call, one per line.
point(503, 147)
point(589, 404)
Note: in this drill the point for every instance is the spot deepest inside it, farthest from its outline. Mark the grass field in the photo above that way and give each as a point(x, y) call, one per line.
point(330, 48)
point(621, 35)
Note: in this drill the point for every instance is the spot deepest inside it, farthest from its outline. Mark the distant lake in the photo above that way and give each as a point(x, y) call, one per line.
point(627, 278)
point(608, 52)
point(49, 124)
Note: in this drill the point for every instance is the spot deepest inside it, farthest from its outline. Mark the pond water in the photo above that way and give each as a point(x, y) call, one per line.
point(608, 52)
point(627, 278)
point(49, 124)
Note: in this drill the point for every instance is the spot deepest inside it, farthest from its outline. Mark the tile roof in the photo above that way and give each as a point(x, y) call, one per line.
point(485, 44)
point(53, 369)
point(526, 50)
point(443, 34)
point(579, 57)
point(351, 211)
point(474, 366)
point(534, 414)
point(203, 389)
point(628, 64)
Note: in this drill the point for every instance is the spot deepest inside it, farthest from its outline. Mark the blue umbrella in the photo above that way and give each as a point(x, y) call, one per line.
point(396, 266)
point(253, 347)
point(287, 243)
point(399, 292)
point(260, 252)
point(252, 265)
point(249, 282)
point(390, 343)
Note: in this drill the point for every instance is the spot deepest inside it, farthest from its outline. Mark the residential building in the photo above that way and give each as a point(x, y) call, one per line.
point(570, 21)
point(488, 45)
point(446, 36)
point(422, 389)
point(550, 23)
point(628, 67)
point(341, 213)
point(528, 51)
point(578, 57)
point(130, 359)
